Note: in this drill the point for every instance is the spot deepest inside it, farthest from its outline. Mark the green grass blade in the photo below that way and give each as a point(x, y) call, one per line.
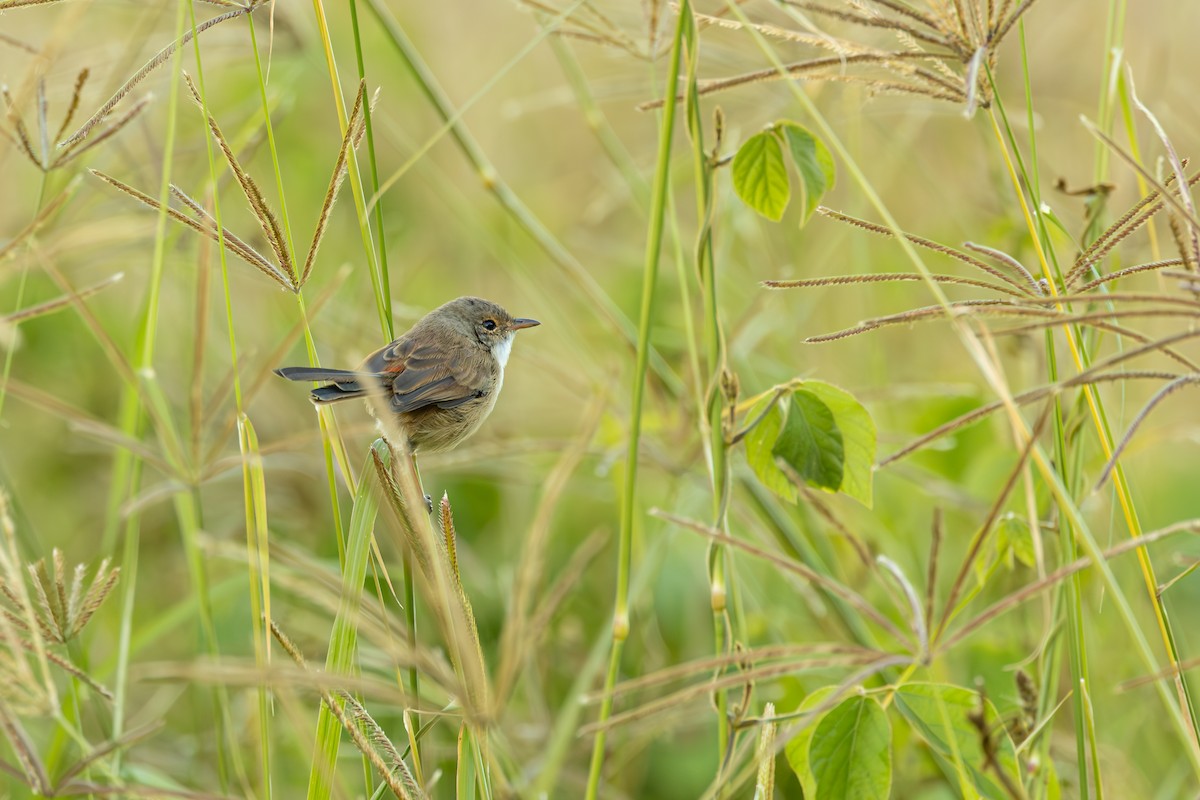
point(344, 638)
point(658, 205)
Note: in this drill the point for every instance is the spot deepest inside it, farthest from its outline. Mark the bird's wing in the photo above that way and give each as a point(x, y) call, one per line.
point(424, 375)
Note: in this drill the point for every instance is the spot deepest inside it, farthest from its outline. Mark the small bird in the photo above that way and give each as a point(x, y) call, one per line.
point(440, 379)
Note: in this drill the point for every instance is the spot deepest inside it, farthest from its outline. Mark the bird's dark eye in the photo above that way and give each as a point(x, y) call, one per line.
point(490, 324)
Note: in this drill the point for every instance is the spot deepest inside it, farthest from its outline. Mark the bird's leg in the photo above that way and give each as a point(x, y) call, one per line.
point(412, 461)
point(412, 457)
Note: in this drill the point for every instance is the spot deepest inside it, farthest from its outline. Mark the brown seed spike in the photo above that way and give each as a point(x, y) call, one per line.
point(80, 80)
point(158, 60)
point(448, 531)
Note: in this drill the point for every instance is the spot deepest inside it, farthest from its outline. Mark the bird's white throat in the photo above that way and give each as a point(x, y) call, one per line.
point(502, 348)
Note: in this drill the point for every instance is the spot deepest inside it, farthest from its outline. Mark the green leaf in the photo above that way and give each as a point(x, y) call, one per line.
point(1053, 787)
point(851, 752)
point(811, 442)
point(938, 713)
point(1015, 539)
point(797, 747)
point(343, 639)
point(760, 177)
point(823, 432)
point(691, 58)
point(858, 439)
point(814, 163)
point(759, 444)
point(985, 563)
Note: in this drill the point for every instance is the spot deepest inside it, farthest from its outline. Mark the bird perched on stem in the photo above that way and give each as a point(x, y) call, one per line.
point(440, 380)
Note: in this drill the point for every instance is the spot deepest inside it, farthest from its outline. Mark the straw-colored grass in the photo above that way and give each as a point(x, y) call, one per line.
point(627, 586)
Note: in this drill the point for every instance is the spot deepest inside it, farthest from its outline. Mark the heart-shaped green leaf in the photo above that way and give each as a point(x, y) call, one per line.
point(797, 747)
point(857, 428)
point(760, 442)
point(941, 715)
point(811, 443)
point(813, 162)
point(851, 752)
point(760, 176)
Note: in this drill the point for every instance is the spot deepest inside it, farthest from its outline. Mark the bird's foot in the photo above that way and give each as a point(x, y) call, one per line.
point(429, 504)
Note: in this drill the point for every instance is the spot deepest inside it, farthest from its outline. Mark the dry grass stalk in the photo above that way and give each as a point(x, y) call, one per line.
point(1024, 398)
point(235, 243)
point(43, 216)
point(446, 517)
point(1123, 273)
point(515, 639)
point(888, 277)
point(672, 701)
point(1031, 298)
point(271, 227)
point(32, 770)
point(989, 524)
point(59, 303)
point(67, 152)
point(80, 81)
point(828, 68)
point(366, 734)
point(1014, 599)
point(1019, 285)
point(945, 52)
point(443, 593)
point(391, 765)
point(788, 565)
point(700, 667)
point(158, 60)
point(354, 131)
point(1131, 221)
point(764, 786)
point(27, 685)
point(18, 124)
point(978, 308)
point(64, 614)
point(283, 269)
point(13, 41)
point(1159, 396)
point(58, 614)
point(8, 5)
point(1184, 225)
point(583, 21)
point(236, 246)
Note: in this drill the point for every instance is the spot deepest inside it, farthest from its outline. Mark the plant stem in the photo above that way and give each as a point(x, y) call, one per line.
point(658, 203)
point(718, 397)
point(382, 301)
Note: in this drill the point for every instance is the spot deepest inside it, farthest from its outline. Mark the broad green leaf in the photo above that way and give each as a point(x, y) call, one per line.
point(760, 177)
point(759, 444)
point(1015, 539)
point(797, 747)
point(811, 442)
point(851, 752)
point(341, 657)
point(858, 438)
point(939, 714)
point(813, 162)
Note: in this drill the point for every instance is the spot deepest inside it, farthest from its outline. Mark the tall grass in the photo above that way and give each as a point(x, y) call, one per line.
point(618, 594)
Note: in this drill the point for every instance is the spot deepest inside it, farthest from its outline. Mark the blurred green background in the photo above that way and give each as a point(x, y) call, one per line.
point(569, 381)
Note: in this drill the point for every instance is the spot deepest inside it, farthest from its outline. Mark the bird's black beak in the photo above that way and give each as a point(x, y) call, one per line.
point(519, 323)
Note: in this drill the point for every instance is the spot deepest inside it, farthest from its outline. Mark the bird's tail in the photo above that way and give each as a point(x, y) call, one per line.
point(345, 383)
